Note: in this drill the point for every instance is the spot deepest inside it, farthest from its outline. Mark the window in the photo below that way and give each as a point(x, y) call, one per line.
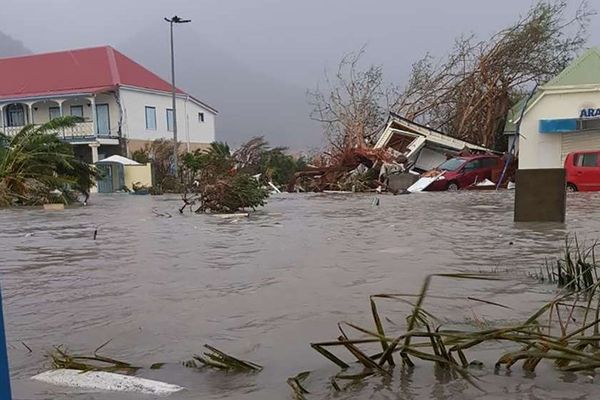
point(15, 114)
point(200, 117)
point(587, 160)
point(169, 119)
point(53, 112)
point(77, 111)
point(473, 165)
point(151, 118)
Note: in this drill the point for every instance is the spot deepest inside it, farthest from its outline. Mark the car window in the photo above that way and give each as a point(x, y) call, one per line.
point(586, 160)
point(452, 164)
point(474, 164)
point(489, 162)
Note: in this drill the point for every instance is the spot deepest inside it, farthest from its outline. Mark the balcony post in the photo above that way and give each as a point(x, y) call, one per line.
point(29, 112)
point(2, 118)
point(94, 146)
point(94, 116)
point(60, 112)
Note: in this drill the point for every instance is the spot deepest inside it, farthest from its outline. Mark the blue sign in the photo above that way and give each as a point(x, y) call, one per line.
point(589, 113)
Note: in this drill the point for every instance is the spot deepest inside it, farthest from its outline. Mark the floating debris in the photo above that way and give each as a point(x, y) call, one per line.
point(62, 359)
point(215, 358)
point(100, 380)
point(296, 384)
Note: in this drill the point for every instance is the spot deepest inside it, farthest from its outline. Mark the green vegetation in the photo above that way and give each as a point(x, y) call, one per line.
point(565, 331)
point(61, 358)
point(221, 181)
point(214, 184)
point(37, 168)
point(576, 270)
point(217, 359)
point(159, 154)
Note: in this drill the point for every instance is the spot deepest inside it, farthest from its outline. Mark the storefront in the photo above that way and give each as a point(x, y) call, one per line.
point(563, 116)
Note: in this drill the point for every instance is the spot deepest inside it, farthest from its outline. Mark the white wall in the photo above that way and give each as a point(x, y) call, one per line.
point(189, 128)
point(543, 150)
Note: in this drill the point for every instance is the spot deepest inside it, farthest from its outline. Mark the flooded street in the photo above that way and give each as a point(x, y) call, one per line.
point(263, 288)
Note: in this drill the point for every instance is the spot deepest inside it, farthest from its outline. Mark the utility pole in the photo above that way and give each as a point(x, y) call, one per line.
point(4, 373)
point(174, 20)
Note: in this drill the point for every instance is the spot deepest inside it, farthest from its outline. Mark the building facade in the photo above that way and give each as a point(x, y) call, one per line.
point(123, 106)
point(561, 117)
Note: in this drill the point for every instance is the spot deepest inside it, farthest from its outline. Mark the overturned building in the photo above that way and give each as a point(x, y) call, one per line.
point(423, 147)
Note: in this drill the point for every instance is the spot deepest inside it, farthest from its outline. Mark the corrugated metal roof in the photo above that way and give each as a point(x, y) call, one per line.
point(585, 70)
point(74, 71)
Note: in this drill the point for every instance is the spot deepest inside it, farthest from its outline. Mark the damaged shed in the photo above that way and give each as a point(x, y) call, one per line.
point(423, 147)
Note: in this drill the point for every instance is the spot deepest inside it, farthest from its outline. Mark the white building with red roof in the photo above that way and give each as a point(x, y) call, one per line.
point(123, 105)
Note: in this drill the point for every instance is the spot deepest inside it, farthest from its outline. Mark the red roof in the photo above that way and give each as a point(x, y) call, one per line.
point(88, 70)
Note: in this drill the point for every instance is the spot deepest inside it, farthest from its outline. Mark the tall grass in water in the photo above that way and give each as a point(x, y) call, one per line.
point(552, 333)
point(576, 270)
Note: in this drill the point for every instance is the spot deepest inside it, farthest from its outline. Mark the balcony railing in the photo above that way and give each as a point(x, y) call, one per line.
point(81, 130)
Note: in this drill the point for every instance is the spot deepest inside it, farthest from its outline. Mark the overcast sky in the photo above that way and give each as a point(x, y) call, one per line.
point(289, 40)
point(294, 39)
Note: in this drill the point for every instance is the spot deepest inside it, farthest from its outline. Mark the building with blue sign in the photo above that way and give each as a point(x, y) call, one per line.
point(562, 116)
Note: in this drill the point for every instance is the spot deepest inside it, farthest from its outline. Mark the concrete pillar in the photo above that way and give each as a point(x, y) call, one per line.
point(2, 119)
point(540, 195)
point(94, 147)
point(94, 116)
point(30, 112)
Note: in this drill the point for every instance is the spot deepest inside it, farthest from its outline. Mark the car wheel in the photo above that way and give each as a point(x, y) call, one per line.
point(571, 187)
point(452, 187)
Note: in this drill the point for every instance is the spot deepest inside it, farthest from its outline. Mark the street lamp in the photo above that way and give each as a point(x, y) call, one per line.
point(174, 20)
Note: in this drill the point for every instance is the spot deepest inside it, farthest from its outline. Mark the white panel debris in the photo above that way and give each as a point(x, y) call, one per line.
point(105, 381)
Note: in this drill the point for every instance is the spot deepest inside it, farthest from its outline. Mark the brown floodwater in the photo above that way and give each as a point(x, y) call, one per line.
point(263, 288)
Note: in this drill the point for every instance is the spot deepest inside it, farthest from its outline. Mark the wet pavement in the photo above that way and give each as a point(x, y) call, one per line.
point(263, 288)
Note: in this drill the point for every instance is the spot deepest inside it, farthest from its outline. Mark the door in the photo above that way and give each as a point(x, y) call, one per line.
point(103, 120)
point(586, 171)
point(105, 183)
point(471, 173)
point(54, 112)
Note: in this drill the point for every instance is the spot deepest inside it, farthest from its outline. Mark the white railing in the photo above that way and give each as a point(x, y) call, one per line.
point(80, 130)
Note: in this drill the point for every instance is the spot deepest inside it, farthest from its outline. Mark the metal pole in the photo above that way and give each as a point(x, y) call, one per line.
point(4, 373)
point(173, 93)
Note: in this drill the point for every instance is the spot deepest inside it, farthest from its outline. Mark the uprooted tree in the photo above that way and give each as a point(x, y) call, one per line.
point(352, 107)
point(221, 181)
point(469, 94)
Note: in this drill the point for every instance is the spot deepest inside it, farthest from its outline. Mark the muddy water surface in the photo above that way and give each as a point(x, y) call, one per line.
point(264, 288)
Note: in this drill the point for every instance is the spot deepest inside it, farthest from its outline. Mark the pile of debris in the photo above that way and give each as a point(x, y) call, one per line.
point(404, 151)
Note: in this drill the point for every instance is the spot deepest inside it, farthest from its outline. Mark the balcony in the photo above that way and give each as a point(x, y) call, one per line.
point(83, 131)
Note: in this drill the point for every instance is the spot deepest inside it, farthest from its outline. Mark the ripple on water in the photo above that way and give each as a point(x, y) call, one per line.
point(265, 286)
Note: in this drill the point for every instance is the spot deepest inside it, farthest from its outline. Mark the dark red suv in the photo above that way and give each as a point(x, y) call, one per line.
point(461, 172)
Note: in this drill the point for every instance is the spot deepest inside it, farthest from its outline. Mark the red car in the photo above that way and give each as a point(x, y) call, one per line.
point(462, 172)
point(583, 171)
